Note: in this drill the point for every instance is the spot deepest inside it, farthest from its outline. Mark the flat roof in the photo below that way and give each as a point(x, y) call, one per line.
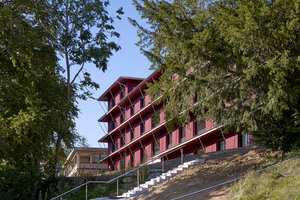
point(92, 149)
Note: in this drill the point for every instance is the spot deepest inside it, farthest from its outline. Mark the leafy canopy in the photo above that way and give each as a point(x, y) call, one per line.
point(239, 60)
point(31, 100)
point(84, 32)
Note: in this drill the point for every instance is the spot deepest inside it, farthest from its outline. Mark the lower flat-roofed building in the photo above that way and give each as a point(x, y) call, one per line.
point(135, 137)
point(84, 160)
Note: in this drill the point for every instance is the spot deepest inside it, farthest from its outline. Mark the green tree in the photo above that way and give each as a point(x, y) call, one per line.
point(31, 100)
point(84, 28)
point(245, 61)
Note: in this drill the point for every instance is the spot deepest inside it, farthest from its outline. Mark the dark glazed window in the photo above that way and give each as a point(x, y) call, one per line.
point(156, 147)
point(132, 134)
point(113, 103)
point(142, 128)
point(132, 110)
point(169, 140)
point(142, 102)
point(201, 128)
point(182, 134)
point(222, 145)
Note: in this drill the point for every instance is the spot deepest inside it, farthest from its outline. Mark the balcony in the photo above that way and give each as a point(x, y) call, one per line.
point(94, 165)
point(85, 167)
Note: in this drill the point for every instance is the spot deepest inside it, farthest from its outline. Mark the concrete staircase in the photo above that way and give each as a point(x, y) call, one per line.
point(160, 179)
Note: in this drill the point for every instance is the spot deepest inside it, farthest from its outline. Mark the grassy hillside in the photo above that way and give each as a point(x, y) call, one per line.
point(279, 182)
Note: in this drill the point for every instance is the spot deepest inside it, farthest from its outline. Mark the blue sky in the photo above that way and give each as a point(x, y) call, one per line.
point(126, 62)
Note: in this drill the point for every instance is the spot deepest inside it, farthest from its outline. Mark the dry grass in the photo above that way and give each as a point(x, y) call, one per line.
point(280, 182)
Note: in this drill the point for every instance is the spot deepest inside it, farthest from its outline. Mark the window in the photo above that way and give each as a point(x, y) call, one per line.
point(132, 134)
point(222, 145)
point(123, 117)
point(200, 127)
point(89, 159)
point(113, 147)
point(155, 122)
point(123, 94)
point(133, 159)
point(156, 147)
point(142, 153)
point(122, 163)
point(132, 110)
point(122, 141)
point(142, 102)
point(142, 128)
point(114, 166)
point(113, 124)
point(169, 140)
point(99, 157)
point(182, 134)
point(113, 103)
point(245, 140)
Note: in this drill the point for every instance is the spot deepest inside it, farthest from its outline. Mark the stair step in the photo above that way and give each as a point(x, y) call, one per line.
point(160, 179)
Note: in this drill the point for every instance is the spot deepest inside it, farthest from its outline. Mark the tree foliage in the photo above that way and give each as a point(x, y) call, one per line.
point(31, 97)
point(30, 85)
point(84, 28)
point(37, 103)
point(238, 59)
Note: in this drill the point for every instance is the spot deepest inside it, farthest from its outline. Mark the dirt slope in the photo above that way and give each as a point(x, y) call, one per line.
point(219, 167)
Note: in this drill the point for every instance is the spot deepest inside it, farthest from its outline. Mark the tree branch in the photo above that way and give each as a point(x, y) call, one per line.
point(77, 74)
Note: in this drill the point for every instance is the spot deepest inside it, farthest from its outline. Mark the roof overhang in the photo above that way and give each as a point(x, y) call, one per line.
point(116, 85)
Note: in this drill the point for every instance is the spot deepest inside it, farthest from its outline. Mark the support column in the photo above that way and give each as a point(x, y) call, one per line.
point(181, 150)
point(162, 165)
point(138, 177)
point(86, 192)
point(117, 187)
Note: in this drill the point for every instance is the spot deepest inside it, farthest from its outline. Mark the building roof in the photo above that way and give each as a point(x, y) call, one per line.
point(91, 149)
point(134, 91)
point(116, 85)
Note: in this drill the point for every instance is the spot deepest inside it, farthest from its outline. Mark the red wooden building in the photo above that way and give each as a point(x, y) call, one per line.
point(133, 138)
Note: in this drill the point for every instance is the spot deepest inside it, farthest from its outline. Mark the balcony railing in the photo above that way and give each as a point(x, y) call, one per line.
point(95, 165)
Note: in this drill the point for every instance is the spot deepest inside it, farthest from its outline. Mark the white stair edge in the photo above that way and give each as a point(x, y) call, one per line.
point(160, 179)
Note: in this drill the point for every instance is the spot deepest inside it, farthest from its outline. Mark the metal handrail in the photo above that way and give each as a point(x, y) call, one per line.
point(116, 178)
point(232, 180)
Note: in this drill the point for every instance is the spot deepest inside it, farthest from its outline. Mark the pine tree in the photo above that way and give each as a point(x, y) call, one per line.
point(244, 58)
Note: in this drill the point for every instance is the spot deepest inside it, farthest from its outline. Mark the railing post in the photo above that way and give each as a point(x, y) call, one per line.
point(86, 192)
point(117, 187)
point(138, 177)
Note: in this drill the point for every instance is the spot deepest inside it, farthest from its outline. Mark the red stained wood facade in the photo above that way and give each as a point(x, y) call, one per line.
point(133, 138)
